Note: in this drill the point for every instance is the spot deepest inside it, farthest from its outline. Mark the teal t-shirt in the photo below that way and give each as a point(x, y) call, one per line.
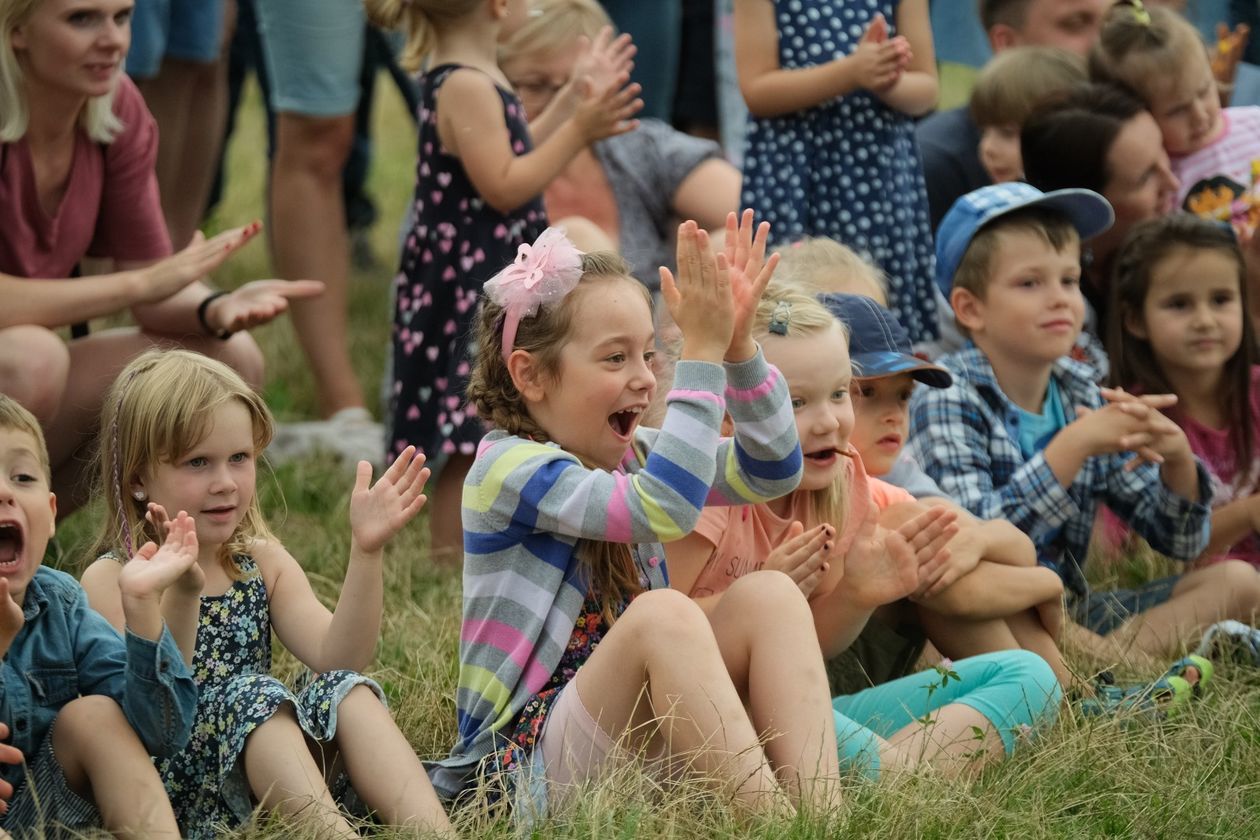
point(1036, 430)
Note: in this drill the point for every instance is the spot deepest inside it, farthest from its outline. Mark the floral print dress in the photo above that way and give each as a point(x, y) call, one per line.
point(206, 781)
point(457, 242)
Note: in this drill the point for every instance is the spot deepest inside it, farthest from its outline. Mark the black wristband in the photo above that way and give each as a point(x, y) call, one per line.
point(222, 335)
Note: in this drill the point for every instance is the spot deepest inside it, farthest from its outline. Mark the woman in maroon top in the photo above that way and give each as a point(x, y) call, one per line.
point(77, 151)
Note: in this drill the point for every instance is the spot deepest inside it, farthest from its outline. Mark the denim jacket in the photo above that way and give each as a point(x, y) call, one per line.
point(66, 649)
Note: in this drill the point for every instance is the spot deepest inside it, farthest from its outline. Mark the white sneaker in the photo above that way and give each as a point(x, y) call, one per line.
point(351, 434)
point(1231, 640)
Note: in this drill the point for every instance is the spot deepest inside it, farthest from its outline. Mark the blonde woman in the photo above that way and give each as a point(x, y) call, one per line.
point(77, 149)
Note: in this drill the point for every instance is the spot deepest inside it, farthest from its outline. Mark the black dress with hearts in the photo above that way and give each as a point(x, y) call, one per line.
point(457, 242)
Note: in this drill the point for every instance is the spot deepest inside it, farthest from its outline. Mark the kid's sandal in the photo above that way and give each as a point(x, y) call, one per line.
point(1204, 666)
point(1159, 700)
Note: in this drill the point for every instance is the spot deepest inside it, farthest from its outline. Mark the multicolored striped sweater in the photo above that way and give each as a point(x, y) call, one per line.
point(527, 504)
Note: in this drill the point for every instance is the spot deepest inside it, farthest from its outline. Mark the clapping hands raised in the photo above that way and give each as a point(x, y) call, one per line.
point(379, 511)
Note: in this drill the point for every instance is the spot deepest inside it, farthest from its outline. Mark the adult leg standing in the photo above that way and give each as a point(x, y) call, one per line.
point(313, 50)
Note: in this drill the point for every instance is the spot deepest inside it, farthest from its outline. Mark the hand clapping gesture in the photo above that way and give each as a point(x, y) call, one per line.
point(380, 511)
point(883, 565)
point(803, 555)
point(153, 569)
point(750, 272)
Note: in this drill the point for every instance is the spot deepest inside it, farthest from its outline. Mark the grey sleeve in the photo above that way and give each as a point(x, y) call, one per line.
point(909, 476)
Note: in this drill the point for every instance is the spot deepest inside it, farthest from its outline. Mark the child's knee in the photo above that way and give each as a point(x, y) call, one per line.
point(766, 591)
point(1242, 582)
point(94, 718)
point(665, 615)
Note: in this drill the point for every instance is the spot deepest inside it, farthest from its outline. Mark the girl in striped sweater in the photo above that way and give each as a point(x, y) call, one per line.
point(574, 652)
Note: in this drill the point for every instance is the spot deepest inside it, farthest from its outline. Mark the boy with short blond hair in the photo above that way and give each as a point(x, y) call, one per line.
point(85, 707)
point(1025, 434)
point(1008, 89)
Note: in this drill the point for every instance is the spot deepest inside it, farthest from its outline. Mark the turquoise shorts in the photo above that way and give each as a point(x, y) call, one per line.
point(190, 30)
point(1014, 689)
point(313, 50)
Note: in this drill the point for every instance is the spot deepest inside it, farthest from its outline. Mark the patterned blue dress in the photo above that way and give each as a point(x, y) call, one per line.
point(206, 781)
point(849, 168)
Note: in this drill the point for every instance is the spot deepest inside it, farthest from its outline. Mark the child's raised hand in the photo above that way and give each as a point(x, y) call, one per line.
point(750, 273)
point(153, 569)
point(379, 512)
point(11, 617)
point(803, 555)
point(607, 111)
point(605, 62)
point(883, 565)
point(699, 298)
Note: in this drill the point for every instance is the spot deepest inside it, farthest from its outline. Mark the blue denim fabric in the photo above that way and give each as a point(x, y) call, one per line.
point(67, 649)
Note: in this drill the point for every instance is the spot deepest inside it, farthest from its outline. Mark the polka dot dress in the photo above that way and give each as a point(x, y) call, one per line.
point(849, 168)
point(456, 244)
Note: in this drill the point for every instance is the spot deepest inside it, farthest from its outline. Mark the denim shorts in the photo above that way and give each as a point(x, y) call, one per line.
point(313, 50)
point(190, 30)
point(1103, 612)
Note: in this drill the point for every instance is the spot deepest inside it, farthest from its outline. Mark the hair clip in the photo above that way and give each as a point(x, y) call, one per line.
point(541, 275)
point(781, 318)
point(1139, 11)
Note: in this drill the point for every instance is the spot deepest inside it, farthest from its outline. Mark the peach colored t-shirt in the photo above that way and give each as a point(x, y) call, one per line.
point(744, 536)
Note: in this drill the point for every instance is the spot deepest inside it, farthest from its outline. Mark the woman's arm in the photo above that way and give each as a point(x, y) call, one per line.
point(708, 194)
point(58, 303)
point(771, 91)
point(916, 92)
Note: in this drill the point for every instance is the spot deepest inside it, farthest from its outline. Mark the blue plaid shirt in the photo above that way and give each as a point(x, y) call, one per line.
point(966, 438)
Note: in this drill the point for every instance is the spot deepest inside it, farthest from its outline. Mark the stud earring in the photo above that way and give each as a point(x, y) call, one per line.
point(139, 495)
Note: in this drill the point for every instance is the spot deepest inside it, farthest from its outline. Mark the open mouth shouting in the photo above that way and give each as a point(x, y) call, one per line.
point(12, 541)
point(623, 422)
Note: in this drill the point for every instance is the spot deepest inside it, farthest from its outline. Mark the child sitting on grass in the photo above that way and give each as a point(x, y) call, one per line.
point(85, 706)
point(1025, 434)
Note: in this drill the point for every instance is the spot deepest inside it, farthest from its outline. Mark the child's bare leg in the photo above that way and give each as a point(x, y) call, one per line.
point(958, 637)
point(1029, 630)
point(383, 767)
point(948, 743)
point(995, 590)
point(1202, 597)
point(104, 761)
point(765, 631)
point(662, 650)
point(284, 777)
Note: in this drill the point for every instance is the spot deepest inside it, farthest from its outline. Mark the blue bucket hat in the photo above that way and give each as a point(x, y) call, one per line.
point(1088, 212)
point(878, 344)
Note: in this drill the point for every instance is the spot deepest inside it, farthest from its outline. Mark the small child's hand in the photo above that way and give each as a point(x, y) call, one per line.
point(153, 570)
point(878, 60)
point(1167, 440)
point(11, 617)
point(9, 754)
point(700, 299)
point(942, 569)
point(605, 62)
point(607, 111)
point(883, 565)
point(192, 581)
point(803, 555)
point(750, 273)
point(1118, 427)
point(379, 512)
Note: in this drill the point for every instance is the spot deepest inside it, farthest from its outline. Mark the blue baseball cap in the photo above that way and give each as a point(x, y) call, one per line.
point(878, 344)
point(1088, 212)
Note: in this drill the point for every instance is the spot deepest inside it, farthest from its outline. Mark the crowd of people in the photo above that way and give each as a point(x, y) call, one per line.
point(732, 443)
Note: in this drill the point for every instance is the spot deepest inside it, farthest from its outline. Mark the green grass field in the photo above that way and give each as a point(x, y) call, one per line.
point(1197, 776)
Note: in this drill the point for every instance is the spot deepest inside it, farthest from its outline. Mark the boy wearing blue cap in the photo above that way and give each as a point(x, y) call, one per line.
point(988, 594)
point(1025, 434)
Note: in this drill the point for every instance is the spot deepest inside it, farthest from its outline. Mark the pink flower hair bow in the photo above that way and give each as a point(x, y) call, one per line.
point(541, 275)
